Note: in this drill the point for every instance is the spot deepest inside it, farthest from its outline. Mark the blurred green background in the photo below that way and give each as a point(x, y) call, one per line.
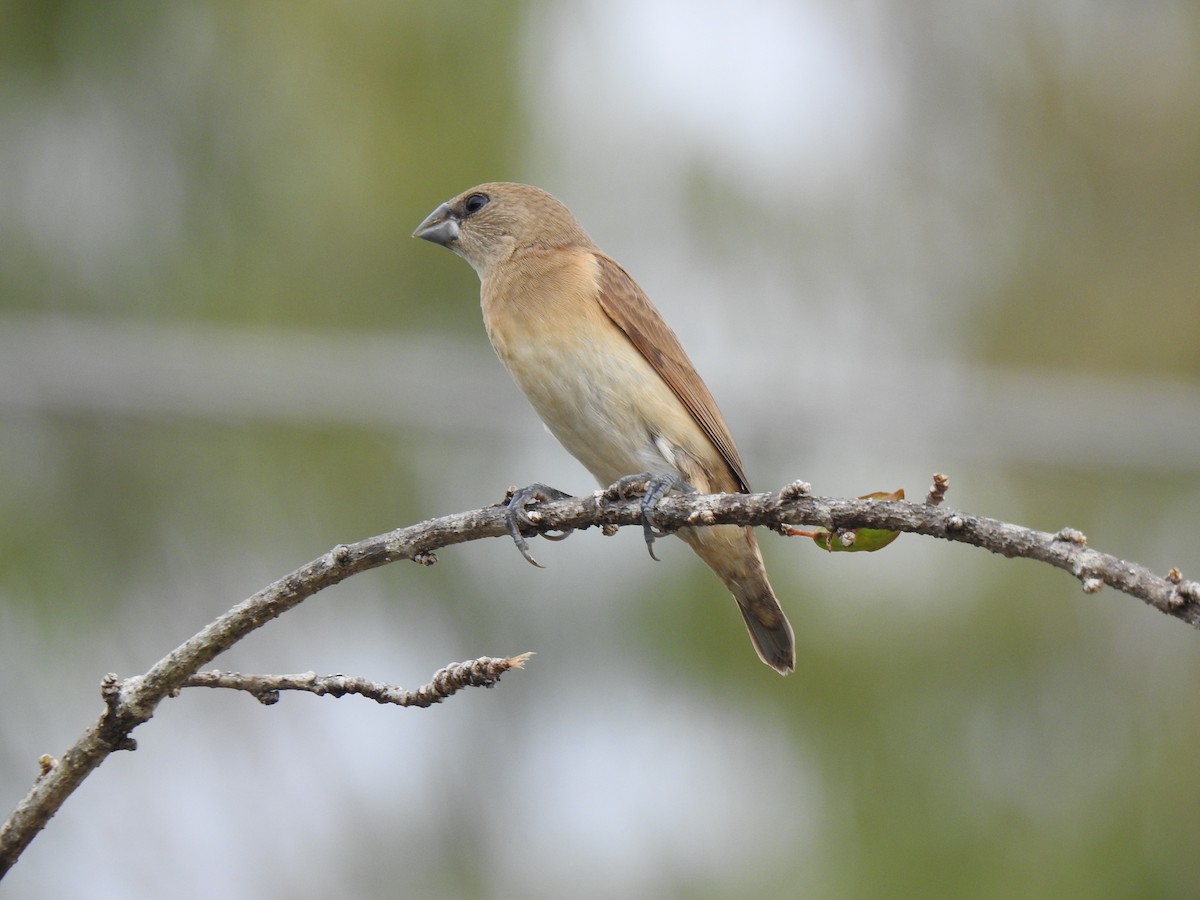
point(897, 238)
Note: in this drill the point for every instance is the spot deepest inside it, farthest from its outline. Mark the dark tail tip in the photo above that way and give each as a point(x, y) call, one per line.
point(772, 636)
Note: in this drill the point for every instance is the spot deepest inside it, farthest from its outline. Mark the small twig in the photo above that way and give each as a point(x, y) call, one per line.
point(937, 492)
point(482, 672)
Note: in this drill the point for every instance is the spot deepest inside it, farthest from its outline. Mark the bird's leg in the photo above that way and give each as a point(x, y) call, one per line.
point(515, 515)
point(653, 487)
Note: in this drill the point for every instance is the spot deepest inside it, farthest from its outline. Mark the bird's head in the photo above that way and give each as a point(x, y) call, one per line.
point(488, 223)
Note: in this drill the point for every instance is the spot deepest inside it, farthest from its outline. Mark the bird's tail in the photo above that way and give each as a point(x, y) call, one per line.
point(732, 552)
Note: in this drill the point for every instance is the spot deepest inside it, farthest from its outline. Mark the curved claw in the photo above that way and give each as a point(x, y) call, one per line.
point(515, 516)
point(653, 488)
point(656, 489)
point(511, 517)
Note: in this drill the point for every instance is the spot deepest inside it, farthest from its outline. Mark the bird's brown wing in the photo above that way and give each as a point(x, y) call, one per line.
point(629, 307)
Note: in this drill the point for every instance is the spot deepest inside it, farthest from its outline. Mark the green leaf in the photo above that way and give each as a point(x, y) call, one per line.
point(865, 539)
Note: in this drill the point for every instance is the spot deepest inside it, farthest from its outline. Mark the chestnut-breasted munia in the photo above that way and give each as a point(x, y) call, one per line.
point(606, 374)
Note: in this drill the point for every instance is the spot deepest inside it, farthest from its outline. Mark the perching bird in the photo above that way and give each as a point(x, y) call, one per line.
point(606, 374)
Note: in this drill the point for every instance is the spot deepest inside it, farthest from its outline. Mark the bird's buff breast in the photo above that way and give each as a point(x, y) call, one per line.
point(595, 392)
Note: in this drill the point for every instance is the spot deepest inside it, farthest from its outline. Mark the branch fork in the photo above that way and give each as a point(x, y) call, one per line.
point(133, 701)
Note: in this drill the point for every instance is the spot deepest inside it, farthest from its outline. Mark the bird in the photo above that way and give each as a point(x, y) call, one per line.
point(607, 376)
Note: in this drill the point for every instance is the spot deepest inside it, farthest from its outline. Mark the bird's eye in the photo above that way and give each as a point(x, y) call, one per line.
point(475, 202)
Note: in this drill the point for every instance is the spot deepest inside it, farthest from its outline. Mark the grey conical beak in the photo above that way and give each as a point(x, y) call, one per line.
point(440, 226)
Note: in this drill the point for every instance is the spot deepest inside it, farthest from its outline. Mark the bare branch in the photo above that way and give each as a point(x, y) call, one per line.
point(133, 701)
point(482, 672)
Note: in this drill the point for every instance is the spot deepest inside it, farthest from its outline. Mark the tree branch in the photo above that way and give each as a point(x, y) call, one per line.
point(133, 701)
point(482, 672)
